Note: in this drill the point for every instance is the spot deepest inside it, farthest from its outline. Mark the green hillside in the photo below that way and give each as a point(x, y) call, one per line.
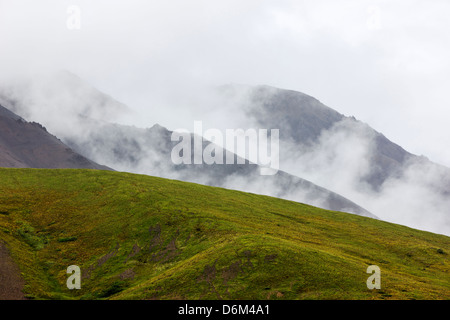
point(142, 237)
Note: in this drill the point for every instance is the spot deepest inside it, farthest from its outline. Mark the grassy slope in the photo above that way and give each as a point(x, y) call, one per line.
point(140, 237)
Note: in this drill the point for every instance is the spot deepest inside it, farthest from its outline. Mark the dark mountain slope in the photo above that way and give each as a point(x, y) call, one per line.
point(28, 145)
point(302, 120)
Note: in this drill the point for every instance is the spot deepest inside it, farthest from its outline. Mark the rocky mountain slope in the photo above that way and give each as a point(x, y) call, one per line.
point(28, 145)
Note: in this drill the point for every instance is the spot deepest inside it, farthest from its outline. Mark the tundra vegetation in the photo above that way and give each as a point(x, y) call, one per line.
point(143, 237)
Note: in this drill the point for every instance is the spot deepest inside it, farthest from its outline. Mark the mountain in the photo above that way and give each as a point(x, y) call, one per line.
point(347, 156)
point(28, 145)
point(83, 121)
point(304, 119)
point(143, 237)
point(318, 146)
point(148, 151)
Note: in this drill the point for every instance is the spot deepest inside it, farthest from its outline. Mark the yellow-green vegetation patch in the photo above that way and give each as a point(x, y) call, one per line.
point(143, 237)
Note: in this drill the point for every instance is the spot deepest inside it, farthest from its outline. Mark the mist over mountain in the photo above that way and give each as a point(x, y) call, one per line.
point(325, 148)
point(148, 151)
point(347, 156)
point(28, 145)
point(60, 95)
point(304, 119)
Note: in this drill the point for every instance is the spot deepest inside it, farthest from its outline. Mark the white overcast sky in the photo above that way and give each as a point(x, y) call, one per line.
point(384, 62)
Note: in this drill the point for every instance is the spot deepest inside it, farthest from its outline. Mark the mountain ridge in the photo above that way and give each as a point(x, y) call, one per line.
point(318, 144)
point(28, 144)
point(149, 151)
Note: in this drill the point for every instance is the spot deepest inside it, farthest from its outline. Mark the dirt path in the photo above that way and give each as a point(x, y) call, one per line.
point(11, 282)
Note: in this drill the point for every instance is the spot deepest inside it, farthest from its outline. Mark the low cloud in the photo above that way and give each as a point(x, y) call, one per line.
point(340, 160)
point(416, 196)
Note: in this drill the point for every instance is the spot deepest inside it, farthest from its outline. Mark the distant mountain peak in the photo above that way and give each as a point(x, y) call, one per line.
point(157, 127)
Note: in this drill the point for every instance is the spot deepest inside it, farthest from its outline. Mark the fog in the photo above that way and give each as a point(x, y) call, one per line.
point(385, 63)
point(382, 61)
point(418, 197)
